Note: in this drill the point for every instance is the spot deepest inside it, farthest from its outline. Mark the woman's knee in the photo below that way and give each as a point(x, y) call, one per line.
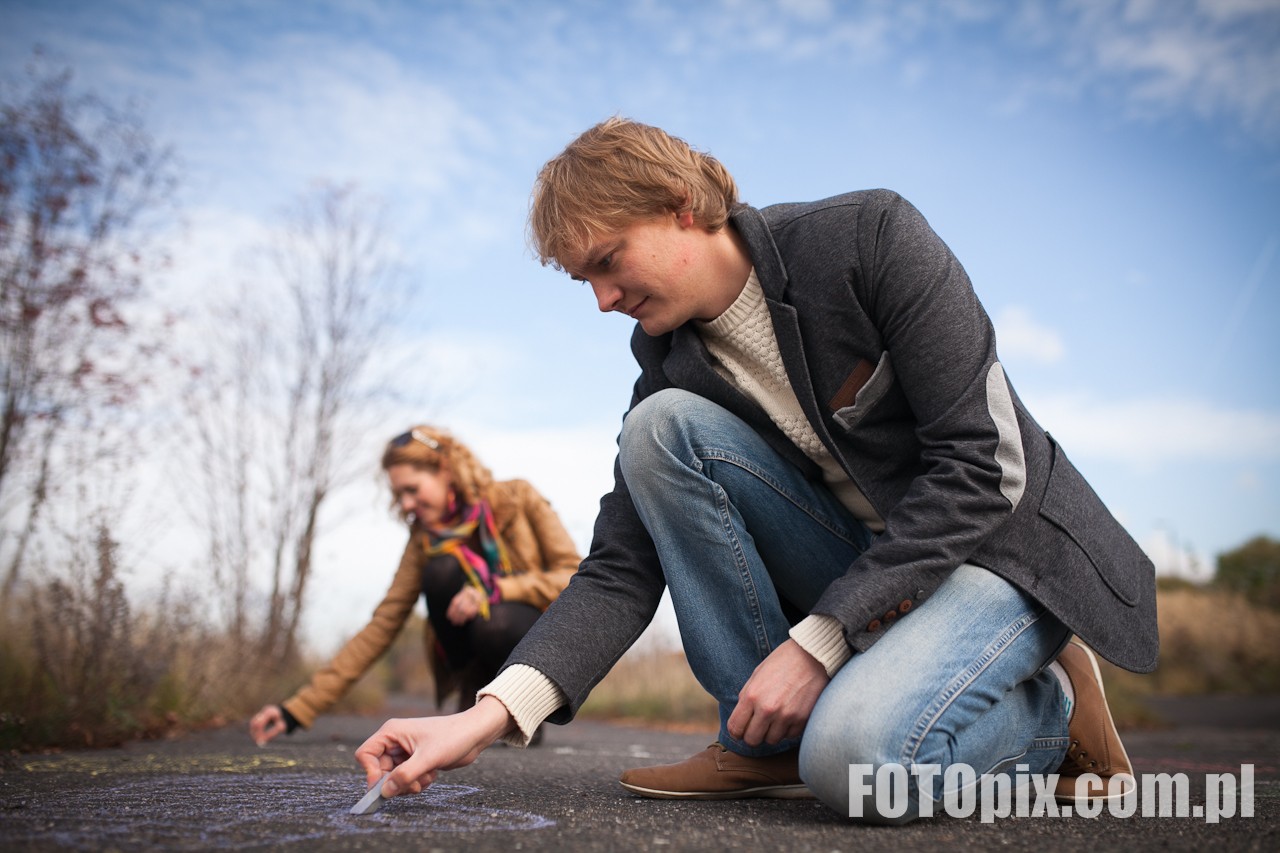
point(442, 577)
point(493, 639)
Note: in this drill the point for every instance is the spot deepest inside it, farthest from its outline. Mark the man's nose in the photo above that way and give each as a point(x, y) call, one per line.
point(607, 296)
point(406, 503)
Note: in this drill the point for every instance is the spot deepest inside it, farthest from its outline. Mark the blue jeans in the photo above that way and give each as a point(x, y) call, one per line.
point(748, 545)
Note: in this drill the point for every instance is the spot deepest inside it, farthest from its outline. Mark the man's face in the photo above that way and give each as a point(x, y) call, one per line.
point(652, 270)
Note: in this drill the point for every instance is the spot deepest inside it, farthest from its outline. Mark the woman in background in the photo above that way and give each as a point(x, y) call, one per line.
point(488, 556)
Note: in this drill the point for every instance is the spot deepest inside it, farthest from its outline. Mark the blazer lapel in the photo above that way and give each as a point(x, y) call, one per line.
point(689, 366)
point(786, 325)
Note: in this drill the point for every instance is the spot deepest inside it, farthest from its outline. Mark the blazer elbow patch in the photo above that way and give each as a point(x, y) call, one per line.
point(1009, 451)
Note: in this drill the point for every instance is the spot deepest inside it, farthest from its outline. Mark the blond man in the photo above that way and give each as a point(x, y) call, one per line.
point(876, 554)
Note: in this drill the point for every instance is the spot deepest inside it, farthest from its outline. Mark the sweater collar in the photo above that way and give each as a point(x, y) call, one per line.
point(769, 269)
point(749, 302)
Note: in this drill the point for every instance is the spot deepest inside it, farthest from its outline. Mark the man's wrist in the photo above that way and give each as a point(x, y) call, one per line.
point(492, 717)
point(823, 638)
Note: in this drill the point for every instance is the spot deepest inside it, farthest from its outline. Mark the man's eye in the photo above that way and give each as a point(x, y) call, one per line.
point(606, 262)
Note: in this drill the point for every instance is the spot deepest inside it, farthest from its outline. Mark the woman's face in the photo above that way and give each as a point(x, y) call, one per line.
point(421, 493)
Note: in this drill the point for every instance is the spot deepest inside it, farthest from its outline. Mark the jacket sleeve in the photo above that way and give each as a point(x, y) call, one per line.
point(941, 351)
point(330, 683)
point(613, 596)
point(558, 558)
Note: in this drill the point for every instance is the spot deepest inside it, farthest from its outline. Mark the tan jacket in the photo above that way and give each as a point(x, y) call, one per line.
point(543, 558)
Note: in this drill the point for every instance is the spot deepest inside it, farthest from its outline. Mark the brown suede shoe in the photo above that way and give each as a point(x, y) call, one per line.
point(718, 774)
point(1095, 743)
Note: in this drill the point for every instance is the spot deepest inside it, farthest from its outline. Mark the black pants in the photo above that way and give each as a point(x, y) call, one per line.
point(477, 649)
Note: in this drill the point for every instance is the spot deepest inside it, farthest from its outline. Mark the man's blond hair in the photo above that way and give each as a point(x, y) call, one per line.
point(617, 173)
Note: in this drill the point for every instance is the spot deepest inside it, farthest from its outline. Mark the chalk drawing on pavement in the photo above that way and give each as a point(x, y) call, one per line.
point(220, 810)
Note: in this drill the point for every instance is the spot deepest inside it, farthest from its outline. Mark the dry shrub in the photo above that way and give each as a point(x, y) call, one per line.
point(72, 669)
point(1211, 641)
point(1214, 641)
point(80, 666)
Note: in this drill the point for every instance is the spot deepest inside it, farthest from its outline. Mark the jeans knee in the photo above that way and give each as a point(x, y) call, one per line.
point(840, 736)
point(656, 422)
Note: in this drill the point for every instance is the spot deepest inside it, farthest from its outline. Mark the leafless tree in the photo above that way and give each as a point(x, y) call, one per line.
point(79, 183)
point(281, 402)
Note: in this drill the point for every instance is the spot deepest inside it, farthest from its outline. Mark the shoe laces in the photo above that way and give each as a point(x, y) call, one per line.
point(1079, 758)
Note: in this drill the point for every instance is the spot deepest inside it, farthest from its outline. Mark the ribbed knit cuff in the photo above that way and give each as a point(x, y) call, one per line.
point(823, 637)
point(529, 697)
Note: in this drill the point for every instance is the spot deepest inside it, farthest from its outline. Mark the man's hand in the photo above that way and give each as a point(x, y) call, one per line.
point(778, 698)
point(418, 749)
point(266, 724)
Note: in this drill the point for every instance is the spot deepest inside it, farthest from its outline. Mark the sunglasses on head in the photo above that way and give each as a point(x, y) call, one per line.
point(415, 435)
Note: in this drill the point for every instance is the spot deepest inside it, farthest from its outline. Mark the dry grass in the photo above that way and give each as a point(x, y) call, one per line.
point(82, 665)
point(1211, 642)
point(79, 666)
point(653, 688)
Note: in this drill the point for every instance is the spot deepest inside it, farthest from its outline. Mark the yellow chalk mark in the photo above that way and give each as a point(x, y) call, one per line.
point(94, 765)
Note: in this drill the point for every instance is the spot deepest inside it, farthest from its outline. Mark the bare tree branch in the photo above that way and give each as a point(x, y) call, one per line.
point(291, 360)
point(78, 183)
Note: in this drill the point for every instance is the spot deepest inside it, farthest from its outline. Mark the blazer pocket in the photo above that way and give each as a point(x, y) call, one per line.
point(1072, 506)
point(865, 391)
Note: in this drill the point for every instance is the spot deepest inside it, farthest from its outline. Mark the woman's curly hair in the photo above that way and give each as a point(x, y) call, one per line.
point(433, 449)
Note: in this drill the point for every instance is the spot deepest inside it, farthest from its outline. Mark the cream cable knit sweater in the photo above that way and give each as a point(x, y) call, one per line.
point(746, 351)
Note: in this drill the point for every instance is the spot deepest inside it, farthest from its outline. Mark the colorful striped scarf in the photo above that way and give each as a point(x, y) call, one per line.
point(482, 569)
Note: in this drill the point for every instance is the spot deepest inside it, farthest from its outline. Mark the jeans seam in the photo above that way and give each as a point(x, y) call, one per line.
point(705, 454)
point(926, 721)
point(744, 570)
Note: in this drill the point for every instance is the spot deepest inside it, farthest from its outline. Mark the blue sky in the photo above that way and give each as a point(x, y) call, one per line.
point(1108, 172)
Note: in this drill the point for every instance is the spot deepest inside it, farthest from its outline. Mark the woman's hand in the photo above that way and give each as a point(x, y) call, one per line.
point(778, 698)
point(465, 606)
point(418, 749)
point(266, 724)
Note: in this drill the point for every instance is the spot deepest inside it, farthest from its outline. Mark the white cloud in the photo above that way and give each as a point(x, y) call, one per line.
point(815, 11)
point(1204, 57)
point(1176, 559)
point(361, 114)
point(1159, 430)
point(1217, 58)
point(1019, 336)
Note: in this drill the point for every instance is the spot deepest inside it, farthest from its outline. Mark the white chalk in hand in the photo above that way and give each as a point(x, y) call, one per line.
point(373, 799)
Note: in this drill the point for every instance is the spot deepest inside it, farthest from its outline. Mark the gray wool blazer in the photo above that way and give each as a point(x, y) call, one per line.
point(893, 360)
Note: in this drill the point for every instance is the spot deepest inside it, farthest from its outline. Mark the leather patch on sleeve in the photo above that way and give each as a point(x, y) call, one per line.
point(852, 385)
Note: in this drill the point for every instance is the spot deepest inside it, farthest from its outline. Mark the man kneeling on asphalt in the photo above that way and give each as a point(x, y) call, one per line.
point(875, 554)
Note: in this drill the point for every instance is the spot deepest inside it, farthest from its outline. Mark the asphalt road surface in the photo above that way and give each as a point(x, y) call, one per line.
point(215, 790)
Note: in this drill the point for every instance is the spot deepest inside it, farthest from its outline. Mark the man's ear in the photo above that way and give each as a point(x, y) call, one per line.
point(684, 218)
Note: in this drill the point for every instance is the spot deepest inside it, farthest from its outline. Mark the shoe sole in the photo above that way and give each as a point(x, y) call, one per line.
point(775, 792)
point(1106, 706)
